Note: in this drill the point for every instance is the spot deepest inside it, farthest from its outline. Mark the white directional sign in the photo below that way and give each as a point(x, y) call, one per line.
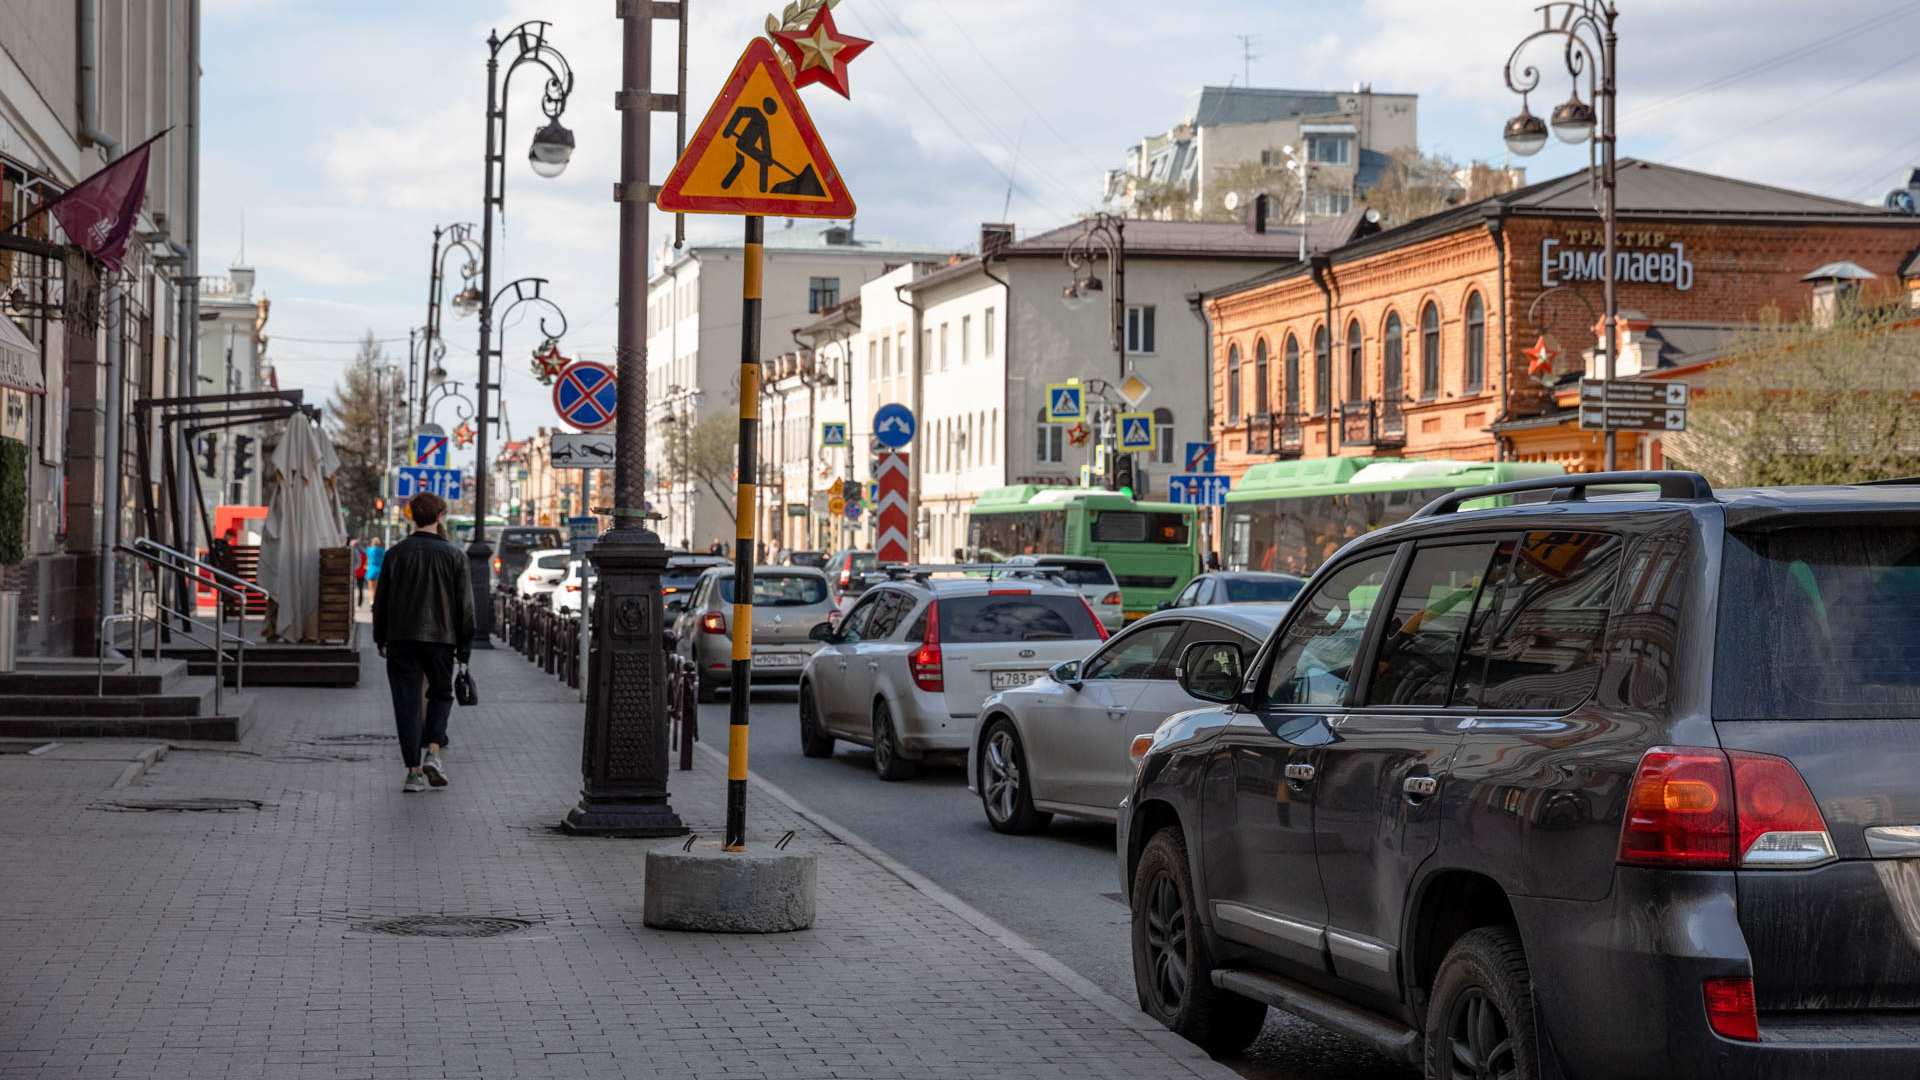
point(581, 451)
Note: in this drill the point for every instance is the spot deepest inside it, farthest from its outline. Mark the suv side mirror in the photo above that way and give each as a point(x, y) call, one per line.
point(1066, 673)
point(1164, 605)
point(1211, 671)
point(823, 632)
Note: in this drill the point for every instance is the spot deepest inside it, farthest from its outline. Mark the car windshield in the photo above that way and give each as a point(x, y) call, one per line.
point(1015, 617)
point(1261, 590)
point(1819, 624)
point(862, 560)
point(1080, 573)
point(519, 543)
point(780, 590)
point(815, 559)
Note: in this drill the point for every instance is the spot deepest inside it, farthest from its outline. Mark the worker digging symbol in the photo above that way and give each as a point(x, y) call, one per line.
point(748, 130)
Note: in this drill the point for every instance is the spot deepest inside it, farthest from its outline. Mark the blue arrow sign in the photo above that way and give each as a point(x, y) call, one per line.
point(430, 450)
point(833, 434)
point(1066, 403)
point(1136, 431)
point(414, 479)
point(893, 425)
point(1199, 457)
point(1203, 489)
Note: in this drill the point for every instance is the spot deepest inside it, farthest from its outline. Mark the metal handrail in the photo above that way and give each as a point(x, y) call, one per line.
point(157, 565)
point(239, 582)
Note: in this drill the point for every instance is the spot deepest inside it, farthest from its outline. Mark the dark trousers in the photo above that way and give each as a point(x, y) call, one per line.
point(412, 665)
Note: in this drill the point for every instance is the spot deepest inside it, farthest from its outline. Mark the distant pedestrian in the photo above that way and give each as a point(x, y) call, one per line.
point(718, 547)
point(359, 572)
point(376, 552)
point(423, 625)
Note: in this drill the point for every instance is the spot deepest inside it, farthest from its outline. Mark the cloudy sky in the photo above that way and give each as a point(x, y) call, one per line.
point(342, 131)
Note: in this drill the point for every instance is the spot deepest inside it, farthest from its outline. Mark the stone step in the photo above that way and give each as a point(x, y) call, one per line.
point(188, 696)
point(156, 676)
point(225, 728)
point(291, 673)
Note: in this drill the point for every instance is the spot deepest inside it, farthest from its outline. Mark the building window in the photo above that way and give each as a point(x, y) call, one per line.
point(966, 340)
point(1476, 344)
point(1233, 385)
point(1356, 364)
point(993, 437)
point(1163, 436)
point(986, 334)
point(1329, 149)
point(886, 357)
point(943, 346)
point(1292, 376)
point(1330, 203)
point(822, 293)
point(1393, 381)
point(1051, 440)
point(1322, 371)
point(1140, 329)
point(873, 359)
point(1260, 407)
point(1429, 353)
point(926, 349)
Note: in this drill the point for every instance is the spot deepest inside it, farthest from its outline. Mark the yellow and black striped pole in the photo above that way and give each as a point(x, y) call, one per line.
point(745, 528)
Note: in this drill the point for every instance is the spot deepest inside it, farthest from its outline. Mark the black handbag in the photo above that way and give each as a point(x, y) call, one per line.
point(464, 691)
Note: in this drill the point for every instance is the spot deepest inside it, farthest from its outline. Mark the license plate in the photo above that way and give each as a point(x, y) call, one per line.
point(1011, 680)
point(778, 660)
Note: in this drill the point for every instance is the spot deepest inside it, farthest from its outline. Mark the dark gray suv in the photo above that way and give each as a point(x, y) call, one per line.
point(1621, 786)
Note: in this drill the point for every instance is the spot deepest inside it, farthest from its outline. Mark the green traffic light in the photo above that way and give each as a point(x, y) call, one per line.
point(1128, 492)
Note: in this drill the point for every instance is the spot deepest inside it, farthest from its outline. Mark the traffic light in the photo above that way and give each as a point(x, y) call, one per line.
point(379, 505)
point(210, 454)
point(1123, 474)
point(242, 456)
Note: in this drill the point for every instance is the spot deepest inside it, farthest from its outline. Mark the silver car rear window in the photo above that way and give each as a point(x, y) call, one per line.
point(1015, 617)
point(780, 590)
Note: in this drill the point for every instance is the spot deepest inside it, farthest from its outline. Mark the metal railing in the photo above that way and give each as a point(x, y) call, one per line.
point(168, 561)
point(193, 567)
point(1274, 434)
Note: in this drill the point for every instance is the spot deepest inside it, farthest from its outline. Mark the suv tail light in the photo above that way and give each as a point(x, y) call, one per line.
point(496, 564)
point(925, 663)
point(846, 575)
point(1097, 624)
point(714, 622)
point(1111, 598)
point(1730, 1008)
point(1703, 808)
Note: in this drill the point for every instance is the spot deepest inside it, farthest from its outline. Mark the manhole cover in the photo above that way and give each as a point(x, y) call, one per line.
point(182, 805)
point(443, 926)
point(360, 737)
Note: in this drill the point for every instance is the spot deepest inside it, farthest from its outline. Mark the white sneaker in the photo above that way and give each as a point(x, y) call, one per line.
point(436, 773)
point(415, 782)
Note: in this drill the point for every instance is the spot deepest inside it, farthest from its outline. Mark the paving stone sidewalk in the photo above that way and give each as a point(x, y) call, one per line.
point(229, 943)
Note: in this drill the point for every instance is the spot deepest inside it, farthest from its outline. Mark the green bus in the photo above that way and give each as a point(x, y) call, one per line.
point(1153, 548)
point(1291, 516)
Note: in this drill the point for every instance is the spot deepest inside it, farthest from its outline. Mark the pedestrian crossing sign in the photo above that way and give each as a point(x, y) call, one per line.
point(756, 152)
point(1066, 403)
point(833, 434)
point(1136, 431)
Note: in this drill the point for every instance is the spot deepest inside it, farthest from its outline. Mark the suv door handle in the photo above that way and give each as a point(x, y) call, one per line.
point(1300, 774)
point(1419, 787)
point(873, 665)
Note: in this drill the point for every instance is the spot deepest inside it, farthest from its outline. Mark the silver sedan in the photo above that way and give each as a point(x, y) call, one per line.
point(1062, 744)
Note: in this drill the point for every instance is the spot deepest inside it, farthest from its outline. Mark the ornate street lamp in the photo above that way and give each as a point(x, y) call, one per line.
point(551, 149)
point(1585, 30)
point(1101, 236)
point(456, 237)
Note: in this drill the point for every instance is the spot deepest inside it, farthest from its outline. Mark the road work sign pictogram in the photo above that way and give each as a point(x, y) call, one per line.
point(756, 152)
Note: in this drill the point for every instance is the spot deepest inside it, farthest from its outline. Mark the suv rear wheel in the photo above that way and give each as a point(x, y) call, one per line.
point(1005, 791)
point(1172, 967)
point(1480, 1018)
point(888, 761)
point(814, 740)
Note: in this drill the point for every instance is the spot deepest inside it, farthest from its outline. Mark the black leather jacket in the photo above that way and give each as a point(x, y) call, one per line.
point(424, 594)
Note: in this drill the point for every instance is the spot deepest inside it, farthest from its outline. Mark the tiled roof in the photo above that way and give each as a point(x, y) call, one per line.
point(1212, 105)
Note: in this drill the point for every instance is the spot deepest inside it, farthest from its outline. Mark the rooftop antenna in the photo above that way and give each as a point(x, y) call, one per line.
point(1247, 57)
point(241, 259)
point(1006, 205)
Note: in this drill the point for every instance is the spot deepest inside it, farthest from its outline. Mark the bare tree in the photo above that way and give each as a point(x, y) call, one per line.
point(363, 439)
point(1804, 403)
point(1416, 185)
point(707, 455)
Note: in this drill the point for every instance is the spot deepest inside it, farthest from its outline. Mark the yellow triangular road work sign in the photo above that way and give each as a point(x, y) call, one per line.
point(756, 152)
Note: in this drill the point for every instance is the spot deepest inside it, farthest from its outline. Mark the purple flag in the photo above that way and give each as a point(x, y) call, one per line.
point(99, 213)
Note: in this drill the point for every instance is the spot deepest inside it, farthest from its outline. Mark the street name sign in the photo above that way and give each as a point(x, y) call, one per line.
point(893, 425)
point(1632, 418)
point(1203, 489)
point(430, 450)
point(757, 152)
point(833, 434)
point(1633, 392)
point(414, 479)
point(1199, 457)
point(584, 395)
point(1136, 431)
point(1066, 403)
point(1631, 405)
point(581, 451)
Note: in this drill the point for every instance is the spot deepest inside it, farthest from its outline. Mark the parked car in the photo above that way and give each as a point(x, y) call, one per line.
point(1063, 744)
point(511, 546)
point(1238, 587)
point(905, 670)
point(848, 571)
point(788, 601)
point(542, 573)
point(1091, 576)
point(1598, 787)
point(574, 593)
point(682, 574)
point(815, 559)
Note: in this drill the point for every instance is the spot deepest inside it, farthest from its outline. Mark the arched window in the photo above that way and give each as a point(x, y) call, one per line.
point(1356, 370)
point(1233, 385)
point(1260, 406)
point(1429, 353)
point(1393, 389)
point(1163, 436)
point(1476, 344)
point(1322, 371)
point(1292, 375)
point(1051, 440)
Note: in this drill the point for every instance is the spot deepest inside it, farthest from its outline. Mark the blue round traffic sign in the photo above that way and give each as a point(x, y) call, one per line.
point(584, 395)
point(893, 426)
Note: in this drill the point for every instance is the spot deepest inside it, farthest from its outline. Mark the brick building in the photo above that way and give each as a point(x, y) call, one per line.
point(1456, 336)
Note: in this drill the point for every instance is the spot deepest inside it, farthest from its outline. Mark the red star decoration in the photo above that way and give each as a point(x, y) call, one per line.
point(462, 435)
point(1077, 434)
point(820, 53)
point(548, 364)
point(1540, 358)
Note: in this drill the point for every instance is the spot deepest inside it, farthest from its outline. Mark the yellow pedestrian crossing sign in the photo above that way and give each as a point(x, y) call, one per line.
point(833, 434)
point(1136, 431)
point(1066, 403)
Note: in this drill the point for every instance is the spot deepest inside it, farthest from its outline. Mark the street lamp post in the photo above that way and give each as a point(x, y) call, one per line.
point(457, 237)
point(1102, 236)
point(552, 148)
point(1586, 29)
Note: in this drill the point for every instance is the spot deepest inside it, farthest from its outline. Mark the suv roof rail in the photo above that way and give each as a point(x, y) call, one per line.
point(1673, 484)
point(1891, 481)
point(922, 571)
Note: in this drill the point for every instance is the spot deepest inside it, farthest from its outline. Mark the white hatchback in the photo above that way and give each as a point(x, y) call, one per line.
point(1091, 576)
point(545, 567)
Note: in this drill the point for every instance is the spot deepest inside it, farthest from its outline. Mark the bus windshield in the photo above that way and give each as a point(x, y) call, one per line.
point(1294, 536)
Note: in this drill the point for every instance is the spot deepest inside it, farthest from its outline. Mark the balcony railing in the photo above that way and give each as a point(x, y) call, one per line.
point(1372, 423)
point(1393, 422)
point(1274, 434)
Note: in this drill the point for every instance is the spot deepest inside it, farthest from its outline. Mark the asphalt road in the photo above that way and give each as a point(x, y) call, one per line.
point(1059, 889)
